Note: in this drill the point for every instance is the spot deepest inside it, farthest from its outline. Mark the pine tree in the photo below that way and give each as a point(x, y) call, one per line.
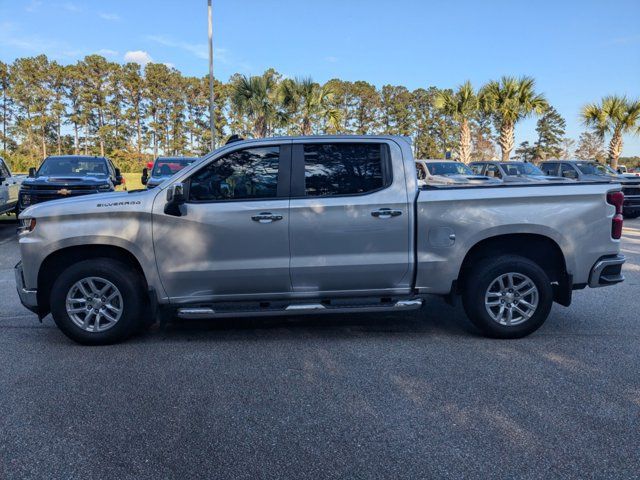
point(6, 110)
point(525, 152)
point(591, 147)
point(550, 128)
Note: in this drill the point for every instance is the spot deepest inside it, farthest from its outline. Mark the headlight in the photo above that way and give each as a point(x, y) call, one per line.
point(26, 225)
point(104, 188)
point(25, 199)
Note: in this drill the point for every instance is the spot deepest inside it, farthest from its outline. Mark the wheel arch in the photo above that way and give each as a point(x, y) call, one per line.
point(57, 261)
point(539, 248)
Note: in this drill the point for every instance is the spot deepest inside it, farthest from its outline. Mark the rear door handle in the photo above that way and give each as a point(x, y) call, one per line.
point(266, 217)
point(386, 213)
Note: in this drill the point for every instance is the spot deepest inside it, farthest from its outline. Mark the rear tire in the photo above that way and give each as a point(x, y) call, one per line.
point(507, 297)
point(99, 301)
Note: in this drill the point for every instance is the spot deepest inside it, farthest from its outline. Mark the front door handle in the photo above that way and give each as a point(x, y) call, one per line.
point(386, 213)
point(266, 217)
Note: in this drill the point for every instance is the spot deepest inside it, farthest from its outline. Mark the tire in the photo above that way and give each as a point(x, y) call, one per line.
point(127, 297)
point(483, 293)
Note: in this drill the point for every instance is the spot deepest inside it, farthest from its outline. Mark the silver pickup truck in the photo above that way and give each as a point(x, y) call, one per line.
point(315, 225)
point(9, 188)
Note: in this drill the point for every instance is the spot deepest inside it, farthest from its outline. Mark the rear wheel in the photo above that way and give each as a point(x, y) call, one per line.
point(98, 301)
point(507, 297)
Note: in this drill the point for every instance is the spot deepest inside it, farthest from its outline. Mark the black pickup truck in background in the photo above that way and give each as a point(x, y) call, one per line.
point(68, 176)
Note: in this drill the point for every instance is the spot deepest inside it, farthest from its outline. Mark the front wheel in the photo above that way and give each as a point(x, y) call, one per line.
point(507, 297)
point(98, 301)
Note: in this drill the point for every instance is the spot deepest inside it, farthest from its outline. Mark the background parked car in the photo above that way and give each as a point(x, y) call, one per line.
point(163, 168)
point(445, 172)
point(590, 171)
point(66, 176)
point(9, 188)
point(511, 172)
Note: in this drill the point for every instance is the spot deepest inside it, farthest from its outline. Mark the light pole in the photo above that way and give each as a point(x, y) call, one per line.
point(212, 123)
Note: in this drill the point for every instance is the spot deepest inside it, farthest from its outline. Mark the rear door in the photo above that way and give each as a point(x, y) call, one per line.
point(232, 239)
point(349, 218)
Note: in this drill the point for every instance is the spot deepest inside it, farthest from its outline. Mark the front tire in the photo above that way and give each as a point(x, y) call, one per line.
point(98, 301)
point(507, 297)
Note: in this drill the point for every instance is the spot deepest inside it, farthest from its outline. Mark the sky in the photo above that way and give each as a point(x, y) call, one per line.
point(578, 51)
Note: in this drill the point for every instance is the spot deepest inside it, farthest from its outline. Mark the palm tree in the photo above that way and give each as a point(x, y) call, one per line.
point(614, 116)
point(510, 100)
point(461, 106)
point(311, 102)
point(255, 97)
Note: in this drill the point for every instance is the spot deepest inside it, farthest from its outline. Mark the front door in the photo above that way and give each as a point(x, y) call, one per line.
point(232, 239)
point(349, 226)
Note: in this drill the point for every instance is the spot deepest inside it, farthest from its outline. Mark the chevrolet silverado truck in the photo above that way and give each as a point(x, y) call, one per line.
point(67, 176)
point(311, 225)
point(9, 188)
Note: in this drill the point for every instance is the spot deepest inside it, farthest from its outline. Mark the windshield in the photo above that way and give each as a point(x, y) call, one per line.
point(449, 168)
point(594, 169)
point(165, 167)
point(74, 167)
point(521, 169)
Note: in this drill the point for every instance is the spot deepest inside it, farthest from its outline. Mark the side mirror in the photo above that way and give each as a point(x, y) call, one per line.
point(118, 177)
point(175, 198)
point(32, 172)
point(145, 176)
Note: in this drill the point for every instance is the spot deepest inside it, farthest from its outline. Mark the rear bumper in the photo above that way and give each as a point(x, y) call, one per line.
point(28, 297)
point(607, 271)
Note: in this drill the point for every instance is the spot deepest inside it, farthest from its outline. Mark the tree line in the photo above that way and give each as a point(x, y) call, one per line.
point(133, 114)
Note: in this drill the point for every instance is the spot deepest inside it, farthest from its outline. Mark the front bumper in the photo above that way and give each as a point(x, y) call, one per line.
point(28, 297)
point(607, 271)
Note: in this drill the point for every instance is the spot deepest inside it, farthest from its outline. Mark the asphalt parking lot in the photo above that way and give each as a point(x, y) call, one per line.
point(417, 395)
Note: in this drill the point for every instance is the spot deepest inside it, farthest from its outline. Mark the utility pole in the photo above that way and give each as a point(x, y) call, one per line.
point(212, 123)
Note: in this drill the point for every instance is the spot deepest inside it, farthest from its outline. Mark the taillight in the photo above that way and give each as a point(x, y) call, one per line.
point(617, 200)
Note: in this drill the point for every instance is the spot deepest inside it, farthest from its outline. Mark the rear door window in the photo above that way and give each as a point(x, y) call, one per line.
point(568, 171)
point(334, 169)
point(493, 171)
point(477, 168)
point(549, 168)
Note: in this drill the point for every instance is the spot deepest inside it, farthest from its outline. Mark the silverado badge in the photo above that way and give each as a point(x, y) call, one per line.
point(64, 191)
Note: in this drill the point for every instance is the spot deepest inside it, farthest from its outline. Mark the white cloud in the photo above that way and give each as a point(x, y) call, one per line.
point(107, 52)
point(112, 17)
point(138, 56)
point(331, 59)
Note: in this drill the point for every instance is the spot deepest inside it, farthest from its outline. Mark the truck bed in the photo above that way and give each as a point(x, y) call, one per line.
point(452, 219)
